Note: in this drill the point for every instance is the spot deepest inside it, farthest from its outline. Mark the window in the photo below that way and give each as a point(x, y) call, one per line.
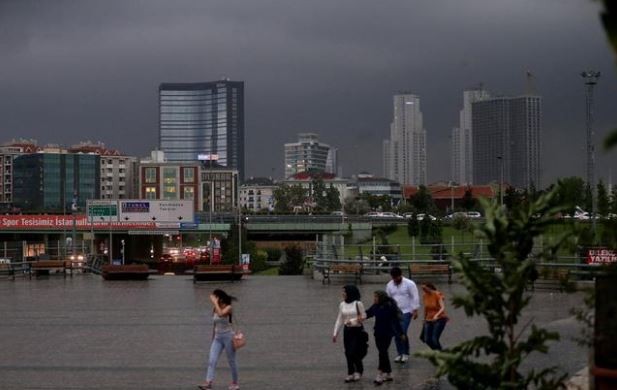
point(169, 176)
point(189, 193)
point(150, 192)
point(189, 175)
point(150, 175)
point(169, 192)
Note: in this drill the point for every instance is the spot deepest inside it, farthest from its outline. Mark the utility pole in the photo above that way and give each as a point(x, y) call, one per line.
point(591, 79)
point(500, 158)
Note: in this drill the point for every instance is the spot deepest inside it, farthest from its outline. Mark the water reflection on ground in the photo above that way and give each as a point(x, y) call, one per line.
point(83, 332)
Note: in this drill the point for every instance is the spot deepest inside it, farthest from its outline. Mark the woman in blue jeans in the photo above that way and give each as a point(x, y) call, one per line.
point(222, 334)
point(435, 317)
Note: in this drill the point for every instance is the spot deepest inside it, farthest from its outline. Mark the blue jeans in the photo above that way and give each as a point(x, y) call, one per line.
point(222, 341)
point(402, 346)
point(432, 332)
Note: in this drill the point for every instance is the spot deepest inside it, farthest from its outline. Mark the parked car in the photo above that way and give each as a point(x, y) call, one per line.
point(474, 215)
point(419, 217)
point(384, 214)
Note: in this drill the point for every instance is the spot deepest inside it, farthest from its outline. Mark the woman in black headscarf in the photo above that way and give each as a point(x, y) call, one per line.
point(351, 313)
point(387, 325)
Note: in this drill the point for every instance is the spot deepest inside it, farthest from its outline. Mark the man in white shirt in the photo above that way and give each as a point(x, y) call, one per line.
point(405, 293)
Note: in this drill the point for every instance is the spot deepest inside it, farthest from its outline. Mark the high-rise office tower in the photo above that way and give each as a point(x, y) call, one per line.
point(203, 119)
point(308, 154)
point(405, 159)
point(461, 140)
point(506, 141)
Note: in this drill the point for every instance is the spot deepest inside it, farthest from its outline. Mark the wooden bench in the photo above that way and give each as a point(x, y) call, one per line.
point(551, 278)
point(7, 270)
point(125, 272)
point(342, 269)
point(47, 266)
point(217, 272)
point(428, 269)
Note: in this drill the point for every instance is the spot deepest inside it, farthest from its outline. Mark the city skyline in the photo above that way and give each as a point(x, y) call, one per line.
point(64, 65)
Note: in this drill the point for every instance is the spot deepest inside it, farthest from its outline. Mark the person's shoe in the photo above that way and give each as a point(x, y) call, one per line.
point(404, 358)
point(349, 379)
point(357, 376)
point(205, 386)
point(234, 386)
point(387, 377)
point(398, 359)
point(378, 380)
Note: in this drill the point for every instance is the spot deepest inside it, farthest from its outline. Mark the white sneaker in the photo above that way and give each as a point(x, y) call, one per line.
point(349, 378)
point(387, 377)
point(234, 386)
point(356, 376)
point(378, 380)
point(404, 358)
point(398, 359)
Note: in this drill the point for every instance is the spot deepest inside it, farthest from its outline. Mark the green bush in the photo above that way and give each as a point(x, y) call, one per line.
point(258, 262)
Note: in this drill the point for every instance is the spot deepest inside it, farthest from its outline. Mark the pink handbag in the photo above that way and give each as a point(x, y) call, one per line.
point(238, 341)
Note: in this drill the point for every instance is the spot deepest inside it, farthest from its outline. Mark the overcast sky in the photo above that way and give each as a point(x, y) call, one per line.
point(90, 70)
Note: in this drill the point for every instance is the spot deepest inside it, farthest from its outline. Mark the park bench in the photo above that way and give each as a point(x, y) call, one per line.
point(430, 269)
point(125, 272)
point(551, 278)
point(216, 272)
point(342, 269)
point(47, 266)
point(6, 269)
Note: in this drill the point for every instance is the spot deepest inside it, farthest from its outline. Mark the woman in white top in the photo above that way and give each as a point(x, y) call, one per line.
point(351, 313)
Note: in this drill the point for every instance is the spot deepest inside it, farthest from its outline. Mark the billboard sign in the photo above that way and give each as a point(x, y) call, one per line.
point(599, 256)
point(159, 211)
point(65, 222)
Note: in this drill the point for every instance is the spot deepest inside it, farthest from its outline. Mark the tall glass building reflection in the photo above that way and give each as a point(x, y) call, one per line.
point(203, 118)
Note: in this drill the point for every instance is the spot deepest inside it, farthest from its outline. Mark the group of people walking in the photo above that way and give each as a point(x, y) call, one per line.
point(393, 310)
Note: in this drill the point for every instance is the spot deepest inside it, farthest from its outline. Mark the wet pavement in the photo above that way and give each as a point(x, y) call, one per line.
point(85, 333)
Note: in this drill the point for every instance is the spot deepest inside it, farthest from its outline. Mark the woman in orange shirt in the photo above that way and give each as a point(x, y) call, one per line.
point(435, 317)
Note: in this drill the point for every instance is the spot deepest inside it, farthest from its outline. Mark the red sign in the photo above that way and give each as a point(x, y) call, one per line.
point(598, 256)
point(60, 222)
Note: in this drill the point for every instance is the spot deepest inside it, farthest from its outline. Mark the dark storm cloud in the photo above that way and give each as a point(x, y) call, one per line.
point(75, 70)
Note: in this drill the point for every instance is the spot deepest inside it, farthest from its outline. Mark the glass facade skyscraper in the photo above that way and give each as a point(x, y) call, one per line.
point(203, 118)
point(50, 181)
point(507, 136)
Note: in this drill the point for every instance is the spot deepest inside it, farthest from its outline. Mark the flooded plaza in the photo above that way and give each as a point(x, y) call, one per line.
point(86, 333)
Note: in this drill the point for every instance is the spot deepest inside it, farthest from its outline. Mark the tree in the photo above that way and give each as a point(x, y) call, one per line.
point(378, 202)
point(333, 199)
point(422, 201)
point(603, 200)
point(494, 360)
point(356, 206)
point(469, 203)
point(413, 227)
point(570, 193)
point(462, 224)
point(319, 195)
point(512, 198)
point(613, 206)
